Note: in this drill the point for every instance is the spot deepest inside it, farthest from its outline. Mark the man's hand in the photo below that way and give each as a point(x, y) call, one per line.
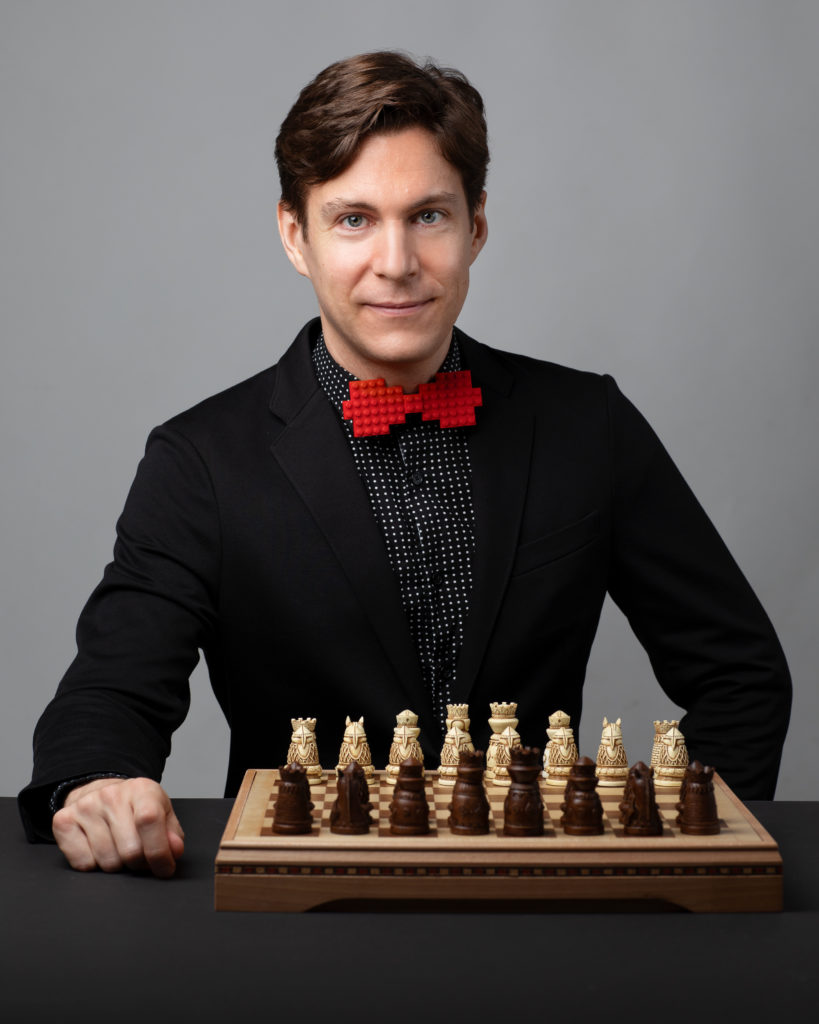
point(116, 823)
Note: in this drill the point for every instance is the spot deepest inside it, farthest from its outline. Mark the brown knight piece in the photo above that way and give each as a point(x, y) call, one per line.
point(469, 810)
point(409, 810)
point(581, 807)
point(523, 806)
point(291, 812)
point(350, 813)
point(698, 804)
point(639, 813)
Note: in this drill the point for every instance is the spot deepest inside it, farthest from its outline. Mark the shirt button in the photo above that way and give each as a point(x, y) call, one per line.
point(418, 477)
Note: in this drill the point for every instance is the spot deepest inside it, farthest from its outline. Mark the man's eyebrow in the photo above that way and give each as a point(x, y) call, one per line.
point(340, 204)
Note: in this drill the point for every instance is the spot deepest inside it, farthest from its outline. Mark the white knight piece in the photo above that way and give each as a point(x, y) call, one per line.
point(612, 763)
point(354, 747)
point(404, 743)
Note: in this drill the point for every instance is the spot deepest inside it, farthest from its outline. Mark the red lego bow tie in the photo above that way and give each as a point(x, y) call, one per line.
point(374, 408)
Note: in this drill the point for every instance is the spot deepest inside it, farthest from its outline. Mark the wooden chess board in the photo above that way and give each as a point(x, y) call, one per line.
point(738, 869)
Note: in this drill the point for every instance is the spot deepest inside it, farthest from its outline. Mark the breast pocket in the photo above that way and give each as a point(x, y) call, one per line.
point(557, 544)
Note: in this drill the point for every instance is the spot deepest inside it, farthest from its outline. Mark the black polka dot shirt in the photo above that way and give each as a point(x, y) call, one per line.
point(418, 482)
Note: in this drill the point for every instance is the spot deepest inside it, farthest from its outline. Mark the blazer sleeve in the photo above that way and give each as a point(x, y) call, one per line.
point(710, 643)
point(139, 635)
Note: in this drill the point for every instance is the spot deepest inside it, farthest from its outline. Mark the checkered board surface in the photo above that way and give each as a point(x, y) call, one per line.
point(732, 825)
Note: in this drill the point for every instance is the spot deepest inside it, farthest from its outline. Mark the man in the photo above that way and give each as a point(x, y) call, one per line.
point(326, 571)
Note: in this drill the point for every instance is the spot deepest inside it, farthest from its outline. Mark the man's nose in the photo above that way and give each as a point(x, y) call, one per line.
point(394, 255)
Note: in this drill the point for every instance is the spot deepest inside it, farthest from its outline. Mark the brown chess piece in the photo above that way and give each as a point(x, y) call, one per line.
point(523, 806)
point(409, 810)
point(639, 813)
point(698, 803)
point(582, 810)
point(291, 812)
point(350, 813)
point(469, 810)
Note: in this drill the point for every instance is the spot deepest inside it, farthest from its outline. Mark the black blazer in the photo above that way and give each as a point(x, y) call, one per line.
point(248, 534)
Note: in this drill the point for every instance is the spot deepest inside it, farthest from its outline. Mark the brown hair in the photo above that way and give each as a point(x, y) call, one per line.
point(377, 92)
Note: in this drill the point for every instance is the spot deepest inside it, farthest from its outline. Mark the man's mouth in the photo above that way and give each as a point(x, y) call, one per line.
point(404, 308)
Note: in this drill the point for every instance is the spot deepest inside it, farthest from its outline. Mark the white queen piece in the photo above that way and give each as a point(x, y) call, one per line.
point(504, 737)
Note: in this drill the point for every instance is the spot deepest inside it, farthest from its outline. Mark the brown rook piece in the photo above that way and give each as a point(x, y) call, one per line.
point(409, 810)
point(582, 810)
point(639, 813)
point(469, 810)
point(523, 806)
point(698, 805)
point(350, 813)
point(291, 812)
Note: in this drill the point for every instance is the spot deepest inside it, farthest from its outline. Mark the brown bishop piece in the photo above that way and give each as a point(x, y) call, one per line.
point(291, 812)
point(523, 806)
point(639, 813)
point(698, 804)
point(469, 810)
point(582, 810)
point(350, 813)
point(409, 810)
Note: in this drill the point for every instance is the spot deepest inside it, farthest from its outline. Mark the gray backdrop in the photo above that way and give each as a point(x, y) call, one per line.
point(653, 214)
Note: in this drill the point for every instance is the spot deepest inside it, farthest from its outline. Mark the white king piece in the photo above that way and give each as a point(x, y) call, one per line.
point(404, 743)
point(303, 748)
point(457, 739)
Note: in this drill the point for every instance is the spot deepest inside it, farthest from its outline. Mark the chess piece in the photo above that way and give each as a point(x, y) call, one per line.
point(523, 806)
point(503, 738)
point(661, 727)
point(558, 720)
point(354, 747)
point(350, 813)
point(581, 807)
point(698, 803)
point(612, 763)
point(673, 761)
point(291, 812)
point(457, 740)
point(304, 749)
point(562, 755)
point(639, 813)
point(404, 743)
point(409, 810)
point(469, 810)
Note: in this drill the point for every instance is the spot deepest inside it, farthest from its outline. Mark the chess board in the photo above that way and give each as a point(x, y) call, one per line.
point(738, 869)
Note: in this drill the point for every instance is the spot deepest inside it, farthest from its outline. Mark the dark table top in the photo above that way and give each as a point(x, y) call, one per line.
point(122, 948)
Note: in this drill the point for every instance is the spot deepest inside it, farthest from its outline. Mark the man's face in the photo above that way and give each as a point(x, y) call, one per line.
point(388, 248)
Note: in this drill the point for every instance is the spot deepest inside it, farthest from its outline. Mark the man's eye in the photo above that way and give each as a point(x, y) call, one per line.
point(353, 220)
point(430, 216)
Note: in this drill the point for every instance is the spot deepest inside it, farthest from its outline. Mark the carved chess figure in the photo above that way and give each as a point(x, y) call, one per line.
point(670, 769)
point(523, 806)
point(291, 811)
point(504, 736)
point(469, 810)
point(581, 807)
point(354, 747)
point(456, 741)
point(612, 763)
point(404, 743)
point(562, 755)
point(350, 813)
point(409, 810)
point(661, 727)
point(639, 813)
point(557, 720)
point(698, 803)
point(303, 748)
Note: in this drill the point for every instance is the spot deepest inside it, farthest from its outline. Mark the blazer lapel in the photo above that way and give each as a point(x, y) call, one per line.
point(500, 452)
point(313, 452)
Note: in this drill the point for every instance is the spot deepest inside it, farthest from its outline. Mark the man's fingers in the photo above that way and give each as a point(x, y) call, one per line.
point(72, 842)
point(151, 814)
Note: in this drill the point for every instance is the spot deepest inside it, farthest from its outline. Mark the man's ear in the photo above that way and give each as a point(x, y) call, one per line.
point(480, 229)
point(292, 238)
